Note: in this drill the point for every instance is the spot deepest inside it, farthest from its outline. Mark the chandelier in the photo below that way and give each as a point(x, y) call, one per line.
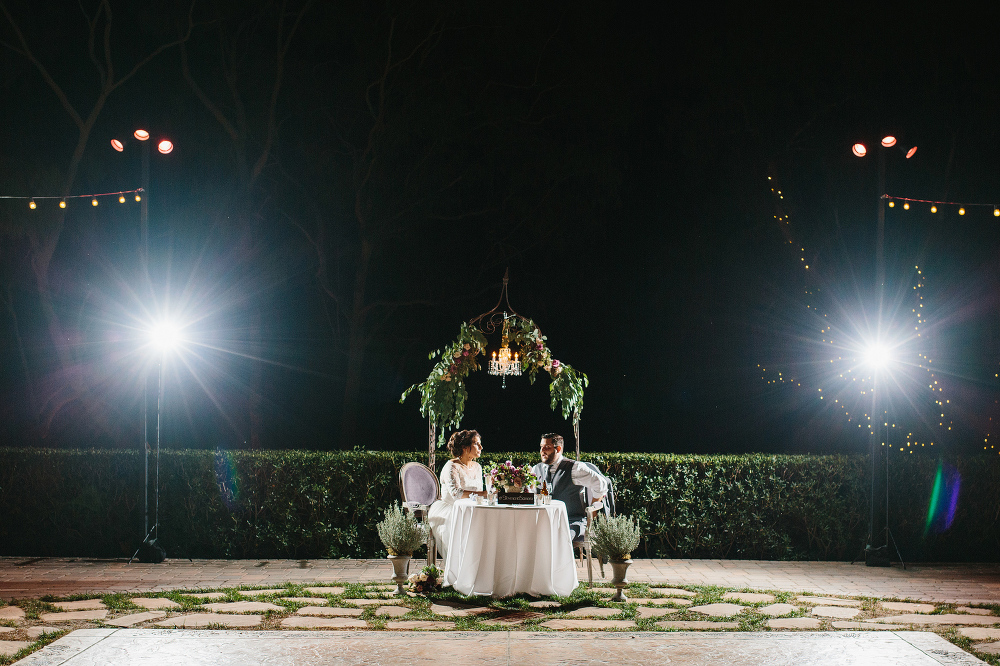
point(504, 364)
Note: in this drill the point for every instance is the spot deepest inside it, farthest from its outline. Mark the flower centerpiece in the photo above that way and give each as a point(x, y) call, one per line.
point(510, 477)
point(427, 581)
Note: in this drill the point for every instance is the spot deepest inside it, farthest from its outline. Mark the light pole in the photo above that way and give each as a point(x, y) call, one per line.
point(877, 549)
point(149, 550)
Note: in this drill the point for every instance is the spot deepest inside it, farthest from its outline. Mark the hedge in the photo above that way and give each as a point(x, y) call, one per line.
point(306, 505)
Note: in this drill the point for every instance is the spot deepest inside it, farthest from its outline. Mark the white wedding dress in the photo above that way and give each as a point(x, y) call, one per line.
point(455, 477)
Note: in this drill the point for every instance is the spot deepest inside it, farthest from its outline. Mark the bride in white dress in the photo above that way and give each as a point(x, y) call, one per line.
point(460, 477)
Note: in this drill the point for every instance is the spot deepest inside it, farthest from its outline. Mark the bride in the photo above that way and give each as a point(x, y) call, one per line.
point(460, 477)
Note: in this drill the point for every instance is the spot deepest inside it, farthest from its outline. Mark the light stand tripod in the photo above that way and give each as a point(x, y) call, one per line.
point(876, 551)
point(150, 551)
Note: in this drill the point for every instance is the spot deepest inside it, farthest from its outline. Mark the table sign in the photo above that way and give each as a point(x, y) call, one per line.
point(516, 498)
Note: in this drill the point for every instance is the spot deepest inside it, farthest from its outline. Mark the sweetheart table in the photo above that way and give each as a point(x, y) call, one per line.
point(504, 550)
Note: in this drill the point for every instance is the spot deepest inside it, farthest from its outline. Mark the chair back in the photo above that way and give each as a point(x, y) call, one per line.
point(609, 498)
point(417, 483)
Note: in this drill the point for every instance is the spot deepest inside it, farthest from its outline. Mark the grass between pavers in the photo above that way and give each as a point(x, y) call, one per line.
point(750, 619)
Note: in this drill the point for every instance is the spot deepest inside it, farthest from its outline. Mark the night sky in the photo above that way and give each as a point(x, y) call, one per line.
point(351, 180)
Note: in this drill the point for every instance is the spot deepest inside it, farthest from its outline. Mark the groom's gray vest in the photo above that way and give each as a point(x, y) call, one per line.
point(563, 489)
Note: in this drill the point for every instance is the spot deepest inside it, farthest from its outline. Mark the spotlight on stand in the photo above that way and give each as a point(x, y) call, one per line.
point(164, 337)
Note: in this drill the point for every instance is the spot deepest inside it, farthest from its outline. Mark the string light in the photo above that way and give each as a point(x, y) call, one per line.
point(851, 388)
point(962, 206)
point(961, 211)
point(35, 201)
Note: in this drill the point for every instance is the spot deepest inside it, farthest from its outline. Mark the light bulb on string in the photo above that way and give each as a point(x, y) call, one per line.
point(892, 204)
point(996, 212)
point(121, 198)
point(32, 205)
point(138, 197)
point(933, 209)
point(906, 206)
point(961, 211)
point(62, 203)
point(93, 202)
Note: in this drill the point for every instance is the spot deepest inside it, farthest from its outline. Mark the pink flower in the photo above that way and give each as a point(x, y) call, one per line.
point(555, 363)
point(465, 353)
point(539, 345)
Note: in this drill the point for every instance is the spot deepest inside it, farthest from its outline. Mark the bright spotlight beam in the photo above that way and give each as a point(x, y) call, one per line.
point(877, 356)
point(165, 336)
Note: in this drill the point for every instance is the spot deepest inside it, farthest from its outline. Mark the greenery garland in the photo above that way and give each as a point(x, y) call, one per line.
point(443, 393)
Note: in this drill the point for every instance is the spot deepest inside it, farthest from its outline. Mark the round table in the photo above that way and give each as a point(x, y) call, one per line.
point(502, 550)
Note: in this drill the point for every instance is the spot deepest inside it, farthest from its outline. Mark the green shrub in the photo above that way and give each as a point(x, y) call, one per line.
point(299, 504)
point(615, 537)
point(400, 532)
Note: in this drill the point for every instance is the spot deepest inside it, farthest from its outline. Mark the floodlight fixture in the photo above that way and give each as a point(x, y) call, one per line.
point(888, 141)
point(877, 356)
point(117, 145)
point(141, 134)
point(859, 150)
point(165, 336)
point(911, 152)
point(165, 146)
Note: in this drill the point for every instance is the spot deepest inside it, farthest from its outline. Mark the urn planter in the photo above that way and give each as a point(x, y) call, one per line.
point(401, 571)
point(619, 571)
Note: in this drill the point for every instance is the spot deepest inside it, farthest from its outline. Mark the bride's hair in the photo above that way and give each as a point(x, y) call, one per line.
point(459, 441)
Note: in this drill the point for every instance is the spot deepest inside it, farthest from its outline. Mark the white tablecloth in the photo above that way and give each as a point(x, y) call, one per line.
point(503, 550)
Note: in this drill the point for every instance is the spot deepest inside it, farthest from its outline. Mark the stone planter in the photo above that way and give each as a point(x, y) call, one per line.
point(619, 571)
point(513, 489)
point(401, 571)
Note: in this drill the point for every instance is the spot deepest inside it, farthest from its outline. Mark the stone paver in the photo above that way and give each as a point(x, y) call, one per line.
point(327, 611)
point(544, 604)
point(11, 613)
point(155, 603)
point(373, 602)
point(987, 648)
point(260, 593)
point(12, 647)
point(336, 589)
point(697, 625)
point(980, 633)
point(243, 607)
point(312, 601)
point(943, 619)
point(70, 616)
point(836, 611)
point(205, 619)
point(829, 601)
point(777, 610)
point(457, 610)
point(957, 583)
point(419, 624)
point(645, 612)
point(392, 611)
point(903, 607)
point(84, 604)
point(588, 624)
point(749, 597)
point(38, 630)
point(794, 623)
point(594, 611)
point(7, 630)
point(207, 595)
point(299, 622)
point(136, 618)
point(93, 647)
point(718, 610)
point(871, 626)
point(974, 611)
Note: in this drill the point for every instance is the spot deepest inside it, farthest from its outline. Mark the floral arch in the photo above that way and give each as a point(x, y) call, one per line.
point(443, 394)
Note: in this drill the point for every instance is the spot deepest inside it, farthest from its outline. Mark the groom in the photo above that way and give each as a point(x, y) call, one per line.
point(565, 478)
